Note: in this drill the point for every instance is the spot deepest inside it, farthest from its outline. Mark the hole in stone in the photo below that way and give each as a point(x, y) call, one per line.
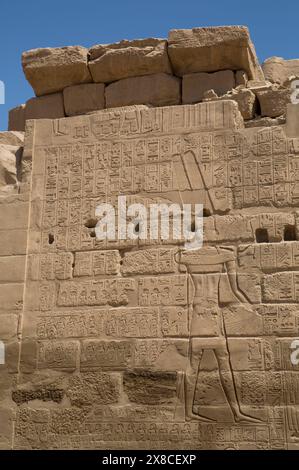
point(192, 227)
point(258, 110)
point(51, 238)
point(206, 213)
point(91, 223)
point(192, 223)
point(92, 233)
point(289, 233)
point(137, 228)
point(261, 235)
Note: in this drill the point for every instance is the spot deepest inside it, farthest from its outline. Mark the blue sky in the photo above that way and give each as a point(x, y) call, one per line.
point(36, 23)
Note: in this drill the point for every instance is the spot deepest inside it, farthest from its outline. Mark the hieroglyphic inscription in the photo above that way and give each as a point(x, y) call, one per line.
point(146, 348)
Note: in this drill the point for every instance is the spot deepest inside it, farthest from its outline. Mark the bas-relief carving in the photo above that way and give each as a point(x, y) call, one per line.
point(207, 328)
point(206, 331)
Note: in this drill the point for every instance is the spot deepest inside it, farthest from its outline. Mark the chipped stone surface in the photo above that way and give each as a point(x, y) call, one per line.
point(246, 101)
point(9, 157)
point(12, 138)
point(156, 90)
point(82, 99)
point(195, 84)
point(150, 388)
point(211, 49)
point(241, 78)
point(245, 98)
point(274, 102)
point(266, 122)
point(50, 70)
point(16, 119)
point(45, 107)
point(111, 62)
point(278, 70)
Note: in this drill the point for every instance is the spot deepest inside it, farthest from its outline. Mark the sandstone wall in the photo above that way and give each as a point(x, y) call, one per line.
point(14, 208)
point(104, 328)
point(74, 80)
point(102, 352)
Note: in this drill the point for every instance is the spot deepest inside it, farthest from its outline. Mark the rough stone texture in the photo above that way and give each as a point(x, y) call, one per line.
point(195, 84)
point(131, 343)
point(7, 165)
point(266, 122)
point(245, 98)
point(44, 394)
point(106, 327)
point(241, 78)
point(151, 388)
point(13, 246)
point(258, 85)
point(12, 138)
point(16, 118)
point(94, 388)
point(278, 70)
point(273, 102)
point(51, 69)
point(212, 49)
point(246, 101)
point(45, 107)
point(156, 90)
point(10, 162)
point(111, 62)
point(82, 99)
point(292, 121)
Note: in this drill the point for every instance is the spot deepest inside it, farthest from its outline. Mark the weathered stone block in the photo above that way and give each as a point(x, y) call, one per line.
point(241, 78)
point(11, 296)
point(149, 261)
point(58, 355)
point(94, 388)
point(150, 387)
point(28, 361)
point(6, 427)
point(278, 70)
point(292, 121)
point(108, 354)
point(15, 138)
point(44, 392)
point(212, 49)
point(12, 352)
point(13, 242)
point(8, 165)
point(12, 268)
point(195, 84)
point(111, 62)
point(16, 118)
point(273, 102)
point(155, 90)
point(8, 327)
point(50, 70)
point(45, 107)
point(13, 214)
point(82, 99)
point(245, 98)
